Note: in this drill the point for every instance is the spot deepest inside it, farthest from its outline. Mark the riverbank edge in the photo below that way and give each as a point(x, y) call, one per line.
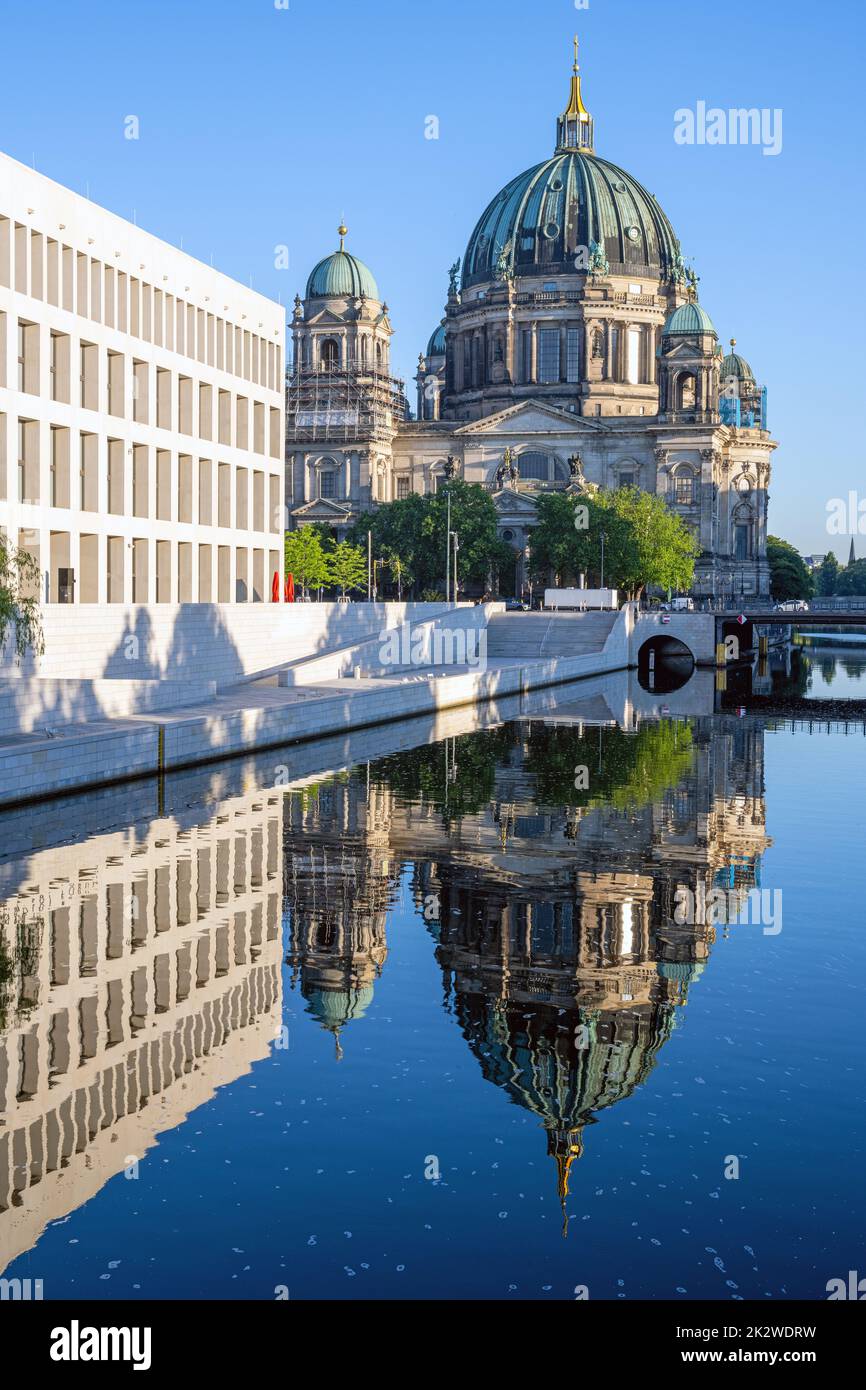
point(188, 738)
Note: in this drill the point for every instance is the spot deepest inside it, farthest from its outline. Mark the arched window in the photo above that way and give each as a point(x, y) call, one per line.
point(685, 487)
point(743, 533)
point(330, 355)
point(378, 356)
point(687, 391)
point(535, 466)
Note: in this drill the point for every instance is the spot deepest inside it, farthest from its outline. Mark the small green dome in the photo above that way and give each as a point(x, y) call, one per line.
point(736, 366)
point(436, 345)
point(341, 276)
point(689, 321)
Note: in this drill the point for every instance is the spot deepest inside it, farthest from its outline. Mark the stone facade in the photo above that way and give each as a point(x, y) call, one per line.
point(574, 341)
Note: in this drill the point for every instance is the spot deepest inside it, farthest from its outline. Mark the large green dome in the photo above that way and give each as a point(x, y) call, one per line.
point(539, 221)
point(341, 275)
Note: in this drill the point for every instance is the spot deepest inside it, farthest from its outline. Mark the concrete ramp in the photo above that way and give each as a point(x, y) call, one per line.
point(524, 636)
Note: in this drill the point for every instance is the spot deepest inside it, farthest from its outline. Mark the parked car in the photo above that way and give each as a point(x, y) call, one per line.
point(516, 605)
point(792, 605)
point(681, 604)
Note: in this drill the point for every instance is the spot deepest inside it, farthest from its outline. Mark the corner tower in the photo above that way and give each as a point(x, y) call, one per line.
point(342, 404)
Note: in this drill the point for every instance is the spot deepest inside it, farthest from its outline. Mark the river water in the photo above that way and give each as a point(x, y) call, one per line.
point(534, 1002)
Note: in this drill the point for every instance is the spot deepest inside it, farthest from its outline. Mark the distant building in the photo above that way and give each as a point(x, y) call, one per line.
point(141, 409)
point(573, 352)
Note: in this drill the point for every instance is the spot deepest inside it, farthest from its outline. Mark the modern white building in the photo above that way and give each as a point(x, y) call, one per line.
point(141, 409)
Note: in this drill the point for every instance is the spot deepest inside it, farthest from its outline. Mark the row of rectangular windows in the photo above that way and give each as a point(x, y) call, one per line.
point(45, 269)
point(179, 488)
point(154, 395)
point(158, 571)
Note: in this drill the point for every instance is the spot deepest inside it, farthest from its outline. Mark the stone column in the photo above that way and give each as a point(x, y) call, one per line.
point(533, 374)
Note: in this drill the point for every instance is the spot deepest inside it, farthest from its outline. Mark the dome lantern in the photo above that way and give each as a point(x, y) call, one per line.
point(575, 128)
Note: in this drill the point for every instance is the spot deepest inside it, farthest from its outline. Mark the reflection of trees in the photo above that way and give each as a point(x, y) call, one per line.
point(625, 770)
point(457, 777)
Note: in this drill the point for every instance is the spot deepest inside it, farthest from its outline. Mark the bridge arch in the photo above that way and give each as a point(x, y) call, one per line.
point(664, 664)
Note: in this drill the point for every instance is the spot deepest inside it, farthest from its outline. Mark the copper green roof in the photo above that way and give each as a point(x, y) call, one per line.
point(436, 345)
point(736, 366)
point(341, 275)
point(538, 223)
point(688, 321)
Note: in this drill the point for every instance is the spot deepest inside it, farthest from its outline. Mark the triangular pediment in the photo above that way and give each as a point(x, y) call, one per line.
point(321, 509)
point(525, 417)
point(513, 503)
point(325, 318)
point(680, 350)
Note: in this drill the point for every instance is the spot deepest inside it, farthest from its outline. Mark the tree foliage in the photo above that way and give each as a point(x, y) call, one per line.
point(306, 558)
point(413, 531)
point(789, 575)
point(828, 576)
point(20, 581)
point(347, 567)
point(852, 579)
point(644, 541)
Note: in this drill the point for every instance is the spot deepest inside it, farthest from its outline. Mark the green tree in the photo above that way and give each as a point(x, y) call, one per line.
point(852, 579)
point(347, 567)
point(306, 559)
point(828, 576)
point(414, 529)
point(644, 541)
point(658, 548)
point(789, 576)
point(475, 521)
point(400, 571)
point(20, 582)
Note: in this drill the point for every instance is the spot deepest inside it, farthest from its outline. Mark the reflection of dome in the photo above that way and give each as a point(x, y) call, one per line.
point(533, 1055)
point(436, 345)
point(684, 972)
point(541, 218)
point(688, 321)
point(335, 1008)
point(341, 275)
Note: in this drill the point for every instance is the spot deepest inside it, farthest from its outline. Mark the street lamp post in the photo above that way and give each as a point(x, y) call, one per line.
point(603, 539)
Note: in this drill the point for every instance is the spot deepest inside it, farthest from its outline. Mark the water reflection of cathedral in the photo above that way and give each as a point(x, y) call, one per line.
point(340, 880)
point(554, 928)
point(139, 971)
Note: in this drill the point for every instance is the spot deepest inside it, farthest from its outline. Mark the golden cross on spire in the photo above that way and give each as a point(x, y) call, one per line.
point(343, 232)
point(575, 52)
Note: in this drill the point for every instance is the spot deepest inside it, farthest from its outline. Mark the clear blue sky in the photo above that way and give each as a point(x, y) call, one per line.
point(262, 126)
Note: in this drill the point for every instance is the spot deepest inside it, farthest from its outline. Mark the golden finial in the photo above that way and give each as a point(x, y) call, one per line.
point(343, 232)
point(733, 342)
point(575, 109)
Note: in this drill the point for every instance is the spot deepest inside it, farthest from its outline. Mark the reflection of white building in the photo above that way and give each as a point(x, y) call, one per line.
point(138, 975)
point(141, 408)
point(573, 349)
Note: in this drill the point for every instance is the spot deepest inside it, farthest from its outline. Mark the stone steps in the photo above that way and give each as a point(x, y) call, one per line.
point(542, 635)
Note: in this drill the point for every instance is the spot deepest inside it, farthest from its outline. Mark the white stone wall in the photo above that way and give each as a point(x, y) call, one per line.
point(225, 643)
point(164, 377)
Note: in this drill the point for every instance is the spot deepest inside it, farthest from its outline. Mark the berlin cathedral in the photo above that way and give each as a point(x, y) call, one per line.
point(574, 352)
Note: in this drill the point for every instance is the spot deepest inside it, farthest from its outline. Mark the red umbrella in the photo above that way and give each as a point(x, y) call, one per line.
point(275, 588)
point(290, 588)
